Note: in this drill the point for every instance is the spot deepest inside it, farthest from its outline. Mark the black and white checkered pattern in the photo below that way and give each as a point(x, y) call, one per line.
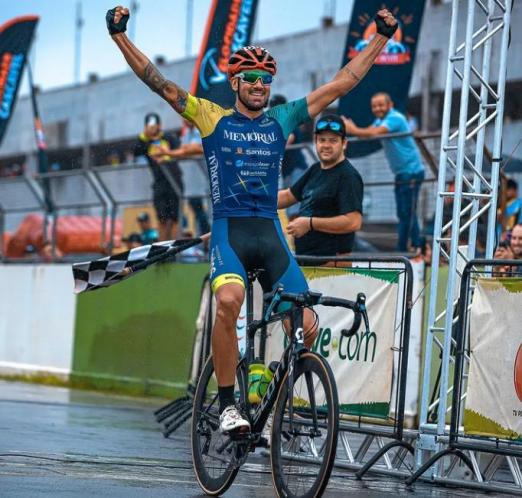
point(107, 271)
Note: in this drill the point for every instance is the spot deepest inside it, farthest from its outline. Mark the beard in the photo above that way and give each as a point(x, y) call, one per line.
point(253, 107)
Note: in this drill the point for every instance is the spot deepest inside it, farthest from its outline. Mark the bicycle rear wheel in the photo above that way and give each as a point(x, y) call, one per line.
point(215, 463)
point(304, 430)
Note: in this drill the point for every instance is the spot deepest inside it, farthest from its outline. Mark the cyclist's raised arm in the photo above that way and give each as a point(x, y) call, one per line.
point(355, 70)
point(145, 70)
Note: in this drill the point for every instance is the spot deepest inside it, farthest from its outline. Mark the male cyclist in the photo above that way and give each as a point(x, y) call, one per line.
point(244, 147)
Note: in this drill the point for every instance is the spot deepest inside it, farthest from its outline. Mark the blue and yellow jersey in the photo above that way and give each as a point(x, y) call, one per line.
point(244, 155)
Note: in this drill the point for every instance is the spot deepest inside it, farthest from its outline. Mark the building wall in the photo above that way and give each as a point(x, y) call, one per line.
point(113, 108)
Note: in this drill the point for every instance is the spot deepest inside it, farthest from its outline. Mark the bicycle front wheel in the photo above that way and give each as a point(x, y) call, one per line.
point(214, 456)
point(304, 430)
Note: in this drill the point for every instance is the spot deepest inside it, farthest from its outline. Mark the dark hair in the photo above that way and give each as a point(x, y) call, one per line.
point(152, 116)
point(511, 184)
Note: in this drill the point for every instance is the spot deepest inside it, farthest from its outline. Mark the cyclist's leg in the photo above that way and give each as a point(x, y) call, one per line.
point(228, 279)
point(282, 268)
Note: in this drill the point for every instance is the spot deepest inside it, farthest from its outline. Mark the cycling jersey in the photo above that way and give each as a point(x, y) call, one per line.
point(244, 155)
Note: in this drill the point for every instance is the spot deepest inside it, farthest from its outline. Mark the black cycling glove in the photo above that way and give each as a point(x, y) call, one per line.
point(115, 28)
point(383, 28)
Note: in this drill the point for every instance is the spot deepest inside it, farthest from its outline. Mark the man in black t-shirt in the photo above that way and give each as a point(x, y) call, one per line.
point(167, 187)
point(331, 194)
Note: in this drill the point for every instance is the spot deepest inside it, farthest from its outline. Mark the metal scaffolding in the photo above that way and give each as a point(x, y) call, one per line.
point(474, 196)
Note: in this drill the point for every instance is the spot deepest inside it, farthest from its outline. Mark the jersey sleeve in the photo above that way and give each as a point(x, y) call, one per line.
point(290, 115)
point(205, 114)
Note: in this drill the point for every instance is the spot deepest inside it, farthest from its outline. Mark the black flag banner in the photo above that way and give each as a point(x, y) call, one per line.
point(110, 270)
point(393, 68)
point(229, 27)
point(16, 36)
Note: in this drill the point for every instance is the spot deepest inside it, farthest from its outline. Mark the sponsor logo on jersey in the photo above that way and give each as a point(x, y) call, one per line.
point(213, 167)
point(257, 152)
point(251, 136)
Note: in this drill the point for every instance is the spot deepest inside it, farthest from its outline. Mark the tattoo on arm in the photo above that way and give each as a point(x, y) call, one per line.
point(154, 79)
point(171, 92)
point(347, 70)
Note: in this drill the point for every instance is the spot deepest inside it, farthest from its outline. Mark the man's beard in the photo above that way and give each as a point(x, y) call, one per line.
point(251, 107)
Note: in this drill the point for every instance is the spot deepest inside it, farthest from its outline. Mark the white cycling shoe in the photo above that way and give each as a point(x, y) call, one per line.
point(232, 421)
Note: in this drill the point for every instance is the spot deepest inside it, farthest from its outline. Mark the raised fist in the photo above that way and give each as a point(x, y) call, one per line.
point(386, 23)
point(117, 19)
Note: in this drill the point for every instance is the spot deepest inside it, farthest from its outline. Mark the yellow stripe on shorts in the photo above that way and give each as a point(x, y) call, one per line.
point(227, 278)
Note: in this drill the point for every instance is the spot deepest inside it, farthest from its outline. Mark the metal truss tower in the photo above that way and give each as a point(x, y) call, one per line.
point(479, 80)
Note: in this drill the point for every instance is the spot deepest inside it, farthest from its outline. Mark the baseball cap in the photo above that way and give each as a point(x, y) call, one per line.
point(152, 119)
point(143, 217)
point(330, 122)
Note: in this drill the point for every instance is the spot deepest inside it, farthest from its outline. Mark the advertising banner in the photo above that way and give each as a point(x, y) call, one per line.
point(393, 68)
point(362, 364)
point(229, 27)
point(494, 393)
point(15, 40)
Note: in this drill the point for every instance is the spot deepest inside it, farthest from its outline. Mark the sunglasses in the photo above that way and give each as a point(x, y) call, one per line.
point(329, 125)
point(251, 77)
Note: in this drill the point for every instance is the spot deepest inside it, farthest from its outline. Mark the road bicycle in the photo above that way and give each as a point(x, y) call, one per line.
point(301, 398)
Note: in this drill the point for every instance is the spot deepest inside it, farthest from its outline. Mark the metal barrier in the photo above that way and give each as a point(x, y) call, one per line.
point(106, 188)
point(19, 196)
point(470, 447)
point(375, 432)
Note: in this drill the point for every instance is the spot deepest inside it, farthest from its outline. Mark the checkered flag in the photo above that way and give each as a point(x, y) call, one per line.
point(110, 270)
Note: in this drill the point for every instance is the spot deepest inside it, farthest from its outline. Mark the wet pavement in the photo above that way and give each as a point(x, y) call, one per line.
point(59, 442)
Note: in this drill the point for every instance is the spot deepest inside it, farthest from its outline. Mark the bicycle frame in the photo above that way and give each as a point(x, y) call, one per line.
point(291, 353)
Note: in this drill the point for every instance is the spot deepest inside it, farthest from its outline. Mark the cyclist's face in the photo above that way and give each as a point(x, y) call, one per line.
point(253, 96)
point(330, 147)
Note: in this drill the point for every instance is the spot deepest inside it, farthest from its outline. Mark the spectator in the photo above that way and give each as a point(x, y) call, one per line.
point(132, 241)
point(516, 241)
point(513, 210)
point(404, 160)
point(196, 176)
point(167, 188)
point(148, 234)
point(330, 192)
point(294, 163)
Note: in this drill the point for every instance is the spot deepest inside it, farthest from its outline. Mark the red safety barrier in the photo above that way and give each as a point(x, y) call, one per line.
point(74, 234)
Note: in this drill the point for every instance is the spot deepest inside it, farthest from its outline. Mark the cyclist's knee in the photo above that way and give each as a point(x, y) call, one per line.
point(228, 301)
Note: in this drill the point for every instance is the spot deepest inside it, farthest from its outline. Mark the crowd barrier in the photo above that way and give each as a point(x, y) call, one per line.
point(485, 430)
point(104, 190)
point(370, 369)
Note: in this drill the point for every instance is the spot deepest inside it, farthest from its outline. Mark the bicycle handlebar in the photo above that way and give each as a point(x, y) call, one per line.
point(311, 298)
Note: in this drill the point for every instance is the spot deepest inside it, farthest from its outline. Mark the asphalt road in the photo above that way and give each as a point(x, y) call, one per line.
point(58, 442)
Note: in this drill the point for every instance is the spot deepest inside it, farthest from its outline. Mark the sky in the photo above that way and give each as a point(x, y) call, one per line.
point(160, 29)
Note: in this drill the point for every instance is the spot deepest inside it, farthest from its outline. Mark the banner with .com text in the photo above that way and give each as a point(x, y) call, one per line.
point(229, 27)
point(362, 364)
point(494, 392)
